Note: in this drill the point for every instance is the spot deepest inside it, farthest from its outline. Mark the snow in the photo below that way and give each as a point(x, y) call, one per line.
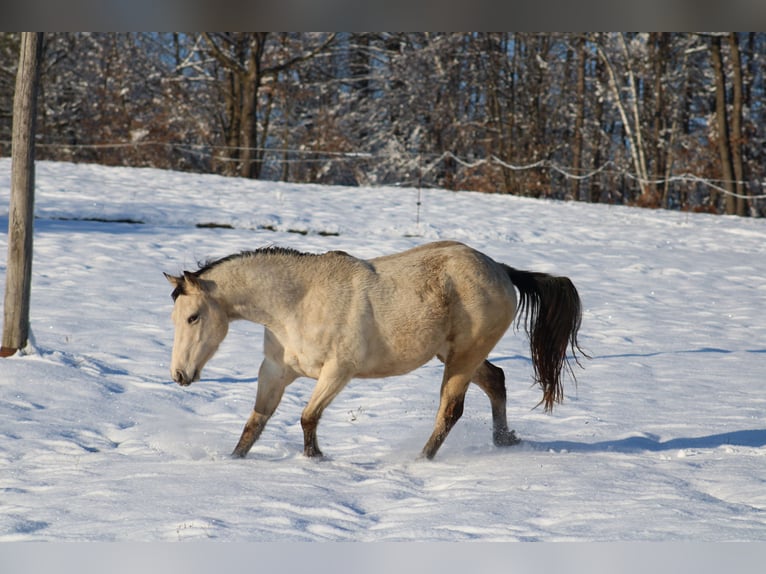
point(662, 438)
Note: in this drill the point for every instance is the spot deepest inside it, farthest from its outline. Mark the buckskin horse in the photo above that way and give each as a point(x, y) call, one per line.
point(333, 317)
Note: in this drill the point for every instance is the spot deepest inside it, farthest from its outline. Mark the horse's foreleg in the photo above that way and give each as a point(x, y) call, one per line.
point(331, 381)
point(310, 445)
point(272, 380)
point(454, 386)
point(253, 428)
point(491, 380)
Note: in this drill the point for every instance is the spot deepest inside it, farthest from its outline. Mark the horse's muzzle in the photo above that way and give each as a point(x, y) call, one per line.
point(182, 379)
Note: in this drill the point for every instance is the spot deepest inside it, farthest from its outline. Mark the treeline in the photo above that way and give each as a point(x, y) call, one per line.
point(672, 120)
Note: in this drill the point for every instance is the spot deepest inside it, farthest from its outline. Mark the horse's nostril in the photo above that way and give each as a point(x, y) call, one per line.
point(178, 376)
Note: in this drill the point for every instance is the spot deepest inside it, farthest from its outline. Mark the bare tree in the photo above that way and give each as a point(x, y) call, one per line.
point(579, 120)
point(247, 61)
point(9, 58)
point(736, 124)
point(722, 124)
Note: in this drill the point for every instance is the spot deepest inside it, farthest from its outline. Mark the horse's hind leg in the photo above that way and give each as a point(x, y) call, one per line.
point(491, 380)
point(272, 380)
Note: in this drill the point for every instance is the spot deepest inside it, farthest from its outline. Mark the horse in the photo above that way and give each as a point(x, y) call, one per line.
point(333, 317)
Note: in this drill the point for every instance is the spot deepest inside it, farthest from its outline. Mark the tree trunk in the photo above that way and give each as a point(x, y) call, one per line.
point(632, 129)
point(600, 143)
point(233, 113)
point(724, 149)
point(678, 127)
point(495, 47)
point(636, 138)
point(659, 46)
point(21, 211)
point(250, 167)
point(736, 125)
point(579, 122)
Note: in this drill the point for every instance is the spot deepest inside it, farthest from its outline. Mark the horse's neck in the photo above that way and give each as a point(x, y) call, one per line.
point(261, 289)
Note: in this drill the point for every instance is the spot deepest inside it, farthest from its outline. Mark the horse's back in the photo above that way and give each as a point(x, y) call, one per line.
point(424, 252)
point(456, 268)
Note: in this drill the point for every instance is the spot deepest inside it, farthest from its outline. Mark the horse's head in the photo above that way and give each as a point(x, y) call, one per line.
point(200, 326)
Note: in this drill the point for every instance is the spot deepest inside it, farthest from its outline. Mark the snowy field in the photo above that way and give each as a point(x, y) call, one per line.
point(663, 438)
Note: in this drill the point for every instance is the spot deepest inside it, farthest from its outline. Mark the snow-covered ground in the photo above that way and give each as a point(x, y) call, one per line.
point(663, 438)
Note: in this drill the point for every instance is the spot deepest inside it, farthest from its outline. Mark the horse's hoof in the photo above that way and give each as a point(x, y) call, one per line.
point(312, 452)
point(507, 438)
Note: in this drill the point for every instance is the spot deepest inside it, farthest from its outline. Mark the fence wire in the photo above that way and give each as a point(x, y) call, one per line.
point(427, 162)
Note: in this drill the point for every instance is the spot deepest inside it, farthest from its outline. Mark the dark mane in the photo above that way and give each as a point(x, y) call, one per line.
point(206, 266)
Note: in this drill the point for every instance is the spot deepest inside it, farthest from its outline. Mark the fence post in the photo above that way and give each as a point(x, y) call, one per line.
point(21, 209)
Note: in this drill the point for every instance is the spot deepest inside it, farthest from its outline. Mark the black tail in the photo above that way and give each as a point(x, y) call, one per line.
point(552, 315)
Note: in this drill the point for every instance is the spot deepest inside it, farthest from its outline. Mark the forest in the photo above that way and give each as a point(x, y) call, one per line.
point(658, 120)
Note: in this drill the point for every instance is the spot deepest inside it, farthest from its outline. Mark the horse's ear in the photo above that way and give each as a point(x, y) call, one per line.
point(193, 281)
point(174, 281)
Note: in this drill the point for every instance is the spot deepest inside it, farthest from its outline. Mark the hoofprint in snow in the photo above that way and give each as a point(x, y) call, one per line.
point(663, 437)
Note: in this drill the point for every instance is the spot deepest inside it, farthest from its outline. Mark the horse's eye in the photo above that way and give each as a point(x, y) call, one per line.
point(193, 319)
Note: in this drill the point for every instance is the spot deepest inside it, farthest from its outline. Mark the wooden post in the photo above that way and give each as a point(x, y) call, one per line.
point(18, 278)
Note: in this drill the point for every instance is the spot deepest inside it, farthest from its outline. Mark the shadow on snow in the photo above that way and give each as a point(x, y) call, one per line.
point(744, 438)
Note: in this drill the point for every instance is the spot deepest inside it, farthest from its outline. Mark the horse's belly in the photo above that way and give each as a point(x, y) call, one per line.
point(391, 370)
point(386, 362)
